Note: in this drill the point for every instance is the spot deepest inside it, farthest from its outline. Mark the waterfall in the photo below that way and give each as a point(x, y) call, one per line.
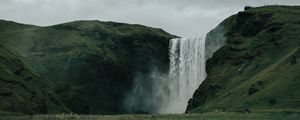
point(170, 92)
point(187, 71)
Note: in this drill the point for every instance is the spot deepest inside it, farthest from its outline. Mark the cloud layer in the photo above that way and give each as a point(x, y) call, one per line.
point(185, 18)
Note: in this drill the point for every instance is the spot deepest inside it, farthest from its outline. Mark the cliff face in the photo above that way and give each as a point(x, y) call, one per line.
point(91, 64)
point(258, 68)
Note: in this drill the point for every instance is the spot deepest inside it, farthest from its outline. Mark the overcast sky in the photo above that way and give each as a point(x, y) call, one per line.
point(186, 18)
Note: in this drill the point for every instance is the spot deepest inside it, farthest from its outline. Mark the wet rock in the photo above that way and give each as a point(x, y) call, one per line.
point(190, 105)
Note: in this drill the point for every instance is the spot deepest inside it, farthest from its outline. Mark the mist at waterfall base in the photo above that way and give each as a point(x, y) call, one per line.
point(168, 93)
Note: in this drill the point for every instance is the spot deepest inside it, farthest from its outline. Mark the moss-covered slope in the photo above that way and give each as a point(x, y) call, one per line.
point(258, 68)
point(23, 92)
point(91, 63)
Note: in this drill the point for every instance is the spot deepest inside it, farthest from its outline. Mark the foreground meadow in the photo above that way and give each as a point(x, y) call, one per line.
point(204, 116)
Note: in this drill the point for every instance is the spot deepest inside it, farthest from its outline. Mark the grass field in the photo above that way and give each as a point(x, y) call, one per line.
point(204, 116)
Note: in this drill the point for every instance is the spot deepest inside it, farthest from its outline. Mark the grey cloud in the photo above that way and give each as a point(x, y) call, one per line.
point(180, 17)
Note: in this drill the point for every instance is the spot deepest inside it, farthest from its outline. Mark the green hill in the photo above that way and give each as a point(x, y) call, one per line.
point(22, 91)
point(91, 64)
point(258, 68)
point(88, 67)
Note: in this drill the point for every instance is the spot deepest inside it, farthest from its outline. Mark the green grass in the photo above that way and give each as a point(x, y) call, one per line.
point(204, 116)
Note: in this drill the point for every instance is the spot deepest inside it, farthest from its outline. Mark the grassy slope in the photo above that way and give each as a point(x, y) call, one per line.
point(22, 91)
point(92, 63)
point(254, 70)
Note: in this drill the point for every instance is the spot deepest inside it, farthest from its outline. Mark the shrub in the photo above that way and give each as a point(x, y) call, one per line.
point(260, 83)
point(247, 7)
point(253, 89)
point(293, 60)
point(272, 101)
